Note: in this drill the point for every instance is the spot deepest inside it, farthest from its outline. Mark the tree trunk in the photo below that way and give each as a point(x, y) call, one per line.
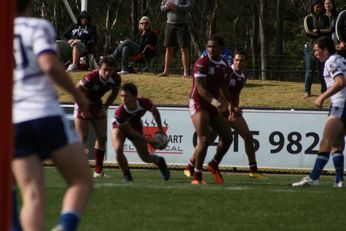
point(262, 33)
point(279, 27)
point(134, 18)
point(211, 18)
point(55, 16)
point(109, 27)
point(77, 7)
point(254, 38)
point(143, 8)
point(108, 35)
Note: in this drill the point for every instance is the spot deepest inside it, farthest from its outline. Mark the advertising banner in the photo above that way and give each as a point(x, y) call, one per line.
point(282, 138)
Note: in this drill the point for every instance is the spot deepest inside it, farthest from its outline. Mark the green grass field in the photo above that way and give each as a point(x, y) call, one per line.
point(256, 93)
point(241, 203)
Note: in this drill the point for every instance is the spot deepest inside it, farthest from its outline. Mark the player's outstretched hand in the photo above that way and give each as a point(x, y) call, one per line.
point(319, 102)
point(236, 112)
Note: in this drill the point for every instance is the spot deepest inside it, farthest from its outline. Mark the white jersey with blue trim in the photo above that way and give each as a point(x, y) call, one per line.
point(34, 95)
point(334, 66)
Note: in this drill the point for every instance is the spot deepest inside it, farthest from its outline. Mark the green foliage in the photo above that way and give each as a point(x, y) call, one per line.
point(234, 20)
point(240, 204)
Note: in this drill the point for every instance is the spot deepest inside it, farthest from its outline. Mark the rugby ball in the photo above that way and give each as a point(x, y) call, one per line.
point(161, 140)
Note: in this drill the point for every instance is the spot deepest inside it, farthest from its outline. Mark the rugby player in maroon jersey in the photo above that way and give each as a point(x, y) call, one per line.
point(127, 123)
point(95, 85)
point(207, 111)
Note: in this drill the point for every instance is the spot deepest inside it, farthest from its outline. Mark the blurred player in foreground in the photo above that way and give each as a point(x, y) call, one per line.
point(206, 110)
point(127, 123)
point(95, 85)
point(41, 130)
point(334, 129)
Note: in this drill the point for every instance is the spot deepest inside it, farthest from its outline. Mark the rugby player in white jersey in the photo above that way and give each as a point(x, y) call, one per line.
point(41, 131)
point(334, 129)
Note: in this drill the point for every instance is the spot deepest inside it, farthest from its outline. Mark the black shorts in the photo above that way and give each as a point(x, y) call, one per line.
point(339, 112)
point(43, 136)
point(176, 33)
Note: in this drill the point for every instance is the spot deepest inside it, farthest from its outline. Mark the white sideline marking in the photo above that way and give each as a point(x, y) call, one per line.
point(189, 186)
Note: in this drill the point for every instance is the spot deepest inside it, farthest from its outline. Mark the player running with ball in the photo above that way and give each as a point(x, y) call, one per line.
point(127, 123)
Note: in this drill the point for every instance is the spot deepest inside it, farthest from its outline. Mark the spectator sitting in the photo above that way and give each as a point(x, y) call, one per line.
point(77, 40)
point(129, 48)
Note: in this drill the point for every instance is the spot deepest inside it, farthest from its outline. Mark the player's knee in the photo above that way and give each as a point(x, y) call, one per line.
point(84, 138)
point(89, 185)
point(248, 138)
point(204, 141)
point(326, 143)
point(118, 152)
point(102, 140)
point(146, 159)
point(34, 196)
point(85, 185)
point(227, 140)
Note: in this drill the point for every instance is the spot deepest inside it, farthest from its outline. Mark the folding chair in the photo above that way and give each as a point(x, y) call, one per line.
point(86, 62)
point(140, 63)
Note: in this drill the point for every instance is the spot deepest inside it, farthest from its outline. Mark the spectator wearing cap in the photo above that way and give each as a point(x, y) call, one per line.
point(77, 40)
point(129, 48)
point(316, 25)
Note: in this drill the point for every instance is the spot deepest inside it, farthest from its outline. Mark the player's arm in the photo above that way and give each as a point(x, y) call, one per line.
point(237, 111)
point(308, 27)
point(224, 91)
point(236, 102)
point(82, 88)
point(157, 118)
point(110, 99)
point(339, 84)
point(134, 134)
point(112, 96)
point(51, 65)
point(201, 85)
point(130, 132)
